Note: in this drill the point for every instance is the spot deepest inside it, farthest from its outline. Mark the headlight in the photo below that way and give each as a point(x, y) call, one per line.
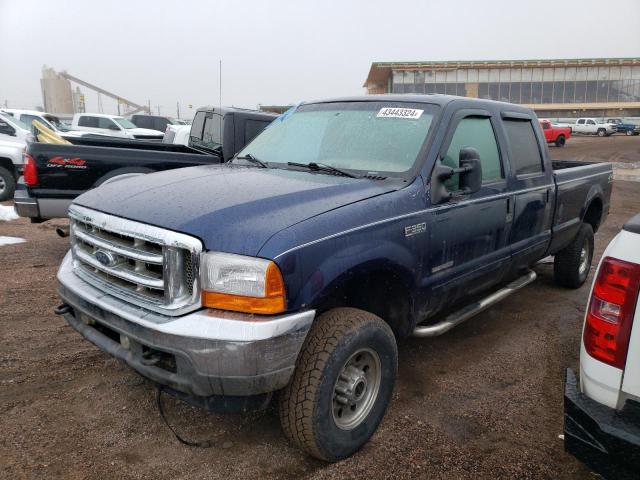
point(242, 284)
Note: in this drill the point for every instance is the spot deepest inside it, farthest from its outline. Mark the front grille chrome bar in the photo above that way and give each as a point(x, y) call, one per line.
point(148, 266)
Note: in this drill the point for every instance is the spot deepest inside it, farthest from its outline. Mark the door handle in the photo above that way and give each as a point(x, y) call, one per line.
point(509, 216)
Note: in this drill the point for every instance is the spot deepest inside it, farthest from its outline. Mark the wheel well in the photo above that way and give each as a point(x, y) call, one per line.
point(383, 293)
point(593, 215)
point(8, 164)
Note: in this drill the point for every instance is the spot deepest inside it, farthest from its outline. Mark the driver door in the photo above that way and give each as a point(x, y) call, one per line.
point(468, 249)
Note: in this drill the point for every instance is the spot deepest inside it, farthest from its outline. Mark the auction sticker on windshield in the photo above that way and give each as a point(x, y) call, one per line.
point(393, 112)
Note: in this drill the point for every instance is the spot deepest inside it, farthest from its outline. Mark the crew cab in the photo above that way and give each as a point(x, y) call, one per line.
point(554, 133)
point(624, 127)
point(592, 126)
point(114, 126)
point(344, 226)
point(602, 410)
point(56, 174)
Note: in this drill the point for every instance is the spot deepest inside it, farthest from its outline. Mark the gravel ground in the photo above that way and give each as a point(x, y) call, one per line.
point(482, 401)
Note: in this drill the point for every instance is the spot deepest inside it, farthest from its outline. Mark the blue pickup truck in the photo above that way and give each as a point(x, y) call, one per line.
point(625, 127)
point(344, 226)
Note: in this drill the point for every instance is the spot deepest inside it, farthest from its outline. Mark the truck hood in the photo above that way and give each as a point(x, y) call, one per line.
point(231, 208)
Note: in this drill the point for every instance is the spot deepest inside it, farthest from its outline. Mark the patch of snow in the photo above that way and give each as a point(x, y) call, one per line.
point(8, 213)
point(11, 240)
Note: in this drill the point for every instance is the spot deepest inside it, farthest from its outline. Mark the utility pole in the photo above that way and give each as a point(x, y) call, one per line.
point(148, 107)
point(158, 107)
point(178, 109)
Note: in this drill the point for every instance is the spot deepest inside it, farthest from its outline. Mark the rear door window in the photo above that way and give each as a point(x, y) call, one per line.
point(525, 153)
point(87, 121)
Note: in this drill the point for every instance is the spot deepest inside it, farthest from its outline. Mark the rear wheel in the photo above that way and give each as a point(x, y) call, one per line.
point(602, 132)
point(629, 133)
point(7, 184)
point(342, 384)
point(571, 265)
point(560, 141)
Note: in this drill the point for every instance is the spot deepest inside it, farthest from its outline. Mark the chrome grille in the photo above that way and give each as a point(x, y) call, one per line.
point(145, 265)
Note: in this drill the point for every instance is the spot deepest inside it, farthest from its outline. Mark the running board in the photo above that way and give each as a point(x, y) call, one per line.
point(465, 313)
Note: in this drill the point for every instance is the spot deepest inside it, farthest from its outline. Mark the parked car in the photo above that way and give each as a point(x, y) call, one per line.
point(602, 411)
point(113, 125)
point(56, 174)
point(177, 134)
point(13, 130)
point(47, 119)
point(11, 164)
point(346, 224)
point(592, 126)
point(623, 127)
point(555, 134)
point(154, 122)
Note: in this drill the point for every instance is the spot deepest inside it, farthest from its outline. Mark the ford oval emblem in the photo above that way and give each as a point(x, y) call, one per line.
point(105, 258)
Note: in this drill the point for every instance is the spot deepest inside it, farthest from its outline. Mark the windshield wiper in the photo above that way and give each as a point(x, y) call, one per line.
point(321, 167)
point(253, 159)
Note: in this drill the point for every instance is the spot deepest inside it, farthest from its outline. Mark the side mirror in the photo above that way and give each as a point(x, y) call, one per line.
point(469, 176)
point(471, 179)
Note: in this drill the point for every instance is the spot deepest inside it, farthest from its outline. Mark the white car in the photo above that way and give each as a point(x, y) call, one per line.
point(47, 119)
point(602, 411)
point(592, 126)
point(13, 130)
point(113, 125)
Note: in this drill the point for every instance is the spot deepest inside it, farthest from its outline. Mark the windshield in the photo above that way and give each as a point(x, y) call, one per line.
point(124, 123)
point(369, 137)
point(56, 122)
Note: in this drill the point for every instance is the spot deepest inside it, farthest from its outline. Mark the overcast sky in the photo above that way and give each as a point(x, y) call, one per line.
point(282, 52)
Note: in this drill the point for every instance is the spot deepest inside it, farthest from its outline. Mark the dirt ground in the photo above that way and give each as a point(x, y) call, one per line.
point(615, 149)
point(482, 401)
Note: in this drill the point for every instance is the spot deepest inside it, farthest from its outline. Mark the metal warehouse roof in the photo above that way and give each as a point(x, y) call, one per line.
point(380, 71)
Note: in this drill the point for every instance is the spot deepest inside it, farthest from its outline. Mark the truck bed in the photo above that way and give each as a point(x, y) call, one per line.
point(577, 184)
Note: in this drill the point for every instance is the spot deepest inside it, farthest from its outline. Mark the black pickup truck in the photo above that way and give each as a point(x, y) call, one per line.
point(346, 225)
point(56, 174)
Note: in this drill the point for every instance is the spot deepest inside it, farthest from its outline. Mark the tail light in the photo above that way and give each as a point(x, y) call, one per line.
point(30, 172)
point(611, 310)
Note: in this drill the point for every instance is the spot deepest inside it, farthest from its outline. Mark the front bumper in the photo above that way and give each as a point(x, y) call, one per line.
point(607, 440)
point(203, 354)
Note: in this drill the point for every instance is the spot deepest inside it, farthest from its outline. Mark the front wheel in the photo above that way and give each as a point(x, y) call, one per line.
point(602, 132)
point(571, 265)
point(560, 141)
point(342, 384)
point(629, 133)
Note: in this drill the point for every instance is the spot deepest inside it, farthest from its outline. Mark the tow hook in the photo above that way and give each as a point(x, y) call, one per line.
point(62, 309)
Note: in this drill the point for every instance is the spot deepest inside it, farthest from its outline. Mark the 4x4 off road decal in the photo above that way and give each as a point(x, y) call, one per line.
point(59, 162)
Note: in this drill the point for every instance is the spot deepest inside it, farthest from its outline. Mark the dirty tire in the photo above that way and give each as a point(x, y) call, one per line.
point(560, 141)
point(629, 133)
point(602, 132)
point(7, 184)
point(567, 262)
point(306, 405)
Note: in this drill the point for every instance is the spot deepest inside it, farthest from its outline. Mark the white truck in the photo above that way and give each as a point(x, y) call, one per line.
point(113, 125)
point(593, 126)
point(602, 410)
point(13, 140)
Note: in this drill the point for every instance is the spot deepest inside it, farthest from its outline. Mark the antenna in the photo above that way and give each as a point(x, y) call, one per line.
point(220, 101)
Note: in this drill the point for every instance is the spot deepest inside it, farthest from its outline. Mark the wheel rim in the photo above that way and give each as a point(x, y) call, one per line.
point(3, 185)
point(356, 389)
point(584, 258)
